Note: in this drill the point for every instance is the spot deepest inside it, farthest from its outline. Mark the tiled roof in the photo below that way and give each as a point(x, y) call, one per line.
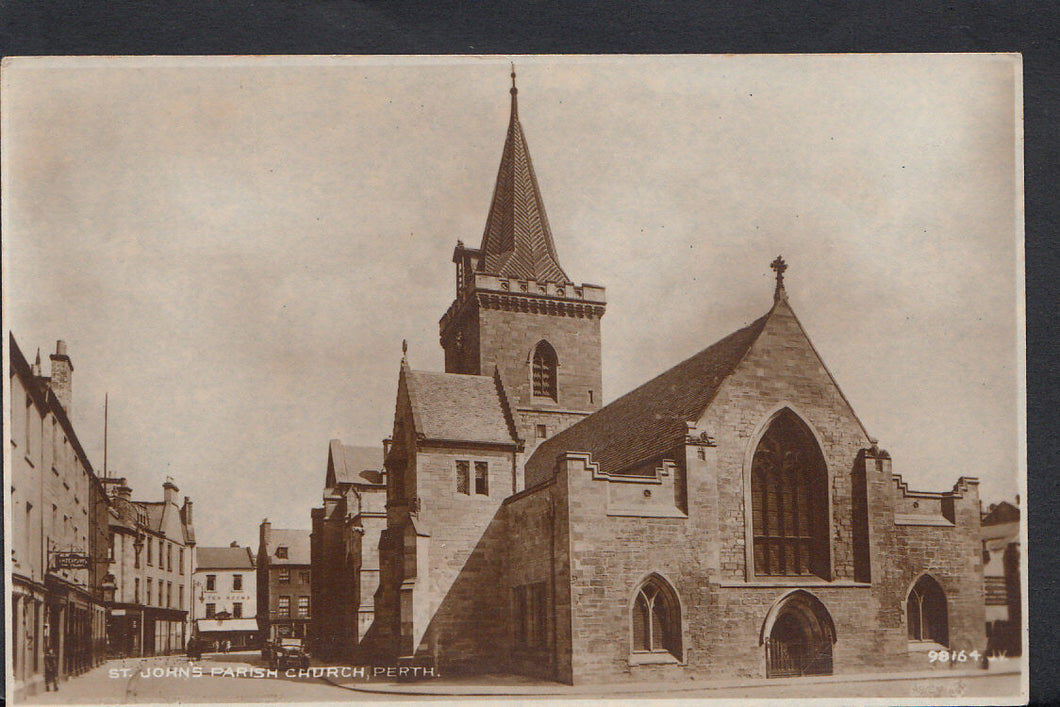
point(650, 420)
point(517, 241)
point(452, 406)
point(296, 542)
point(356, 465)
point(223, 558)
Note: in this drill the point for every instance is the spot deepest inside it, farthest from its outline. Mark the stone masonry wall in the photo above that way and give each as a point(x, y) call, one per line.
point(508, 339)
point(703, 556)
point(466, 551)
point(538, 552)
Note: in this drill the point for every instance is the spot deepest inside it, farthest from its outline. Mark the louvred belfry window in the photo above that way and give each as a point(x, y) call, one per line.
point(789, 502)
point(544, 371)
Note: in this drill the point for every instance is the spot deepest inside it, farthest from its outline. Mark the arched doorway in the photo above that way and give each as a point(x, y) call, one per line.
point(799, 634)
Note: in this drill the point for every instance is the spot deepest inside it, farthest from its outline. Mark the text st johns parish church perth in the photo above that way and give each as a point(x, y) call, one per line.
point(731, 517)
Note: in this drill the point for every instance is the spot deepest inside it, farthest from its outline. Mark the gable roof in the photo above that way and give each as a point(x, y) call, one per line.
point(348, 464)
point(457, 407)
point(999, 536)
point(1003, 512)
point(651, 420)
point(155, 511)
point(517, 241)
point(224, 558)
point(296, 542)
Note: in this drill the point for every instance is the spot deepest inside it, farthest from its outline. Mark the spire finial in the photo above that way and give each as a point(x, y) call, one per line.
point(515, 93)
point(779, 266)
point(404, 347)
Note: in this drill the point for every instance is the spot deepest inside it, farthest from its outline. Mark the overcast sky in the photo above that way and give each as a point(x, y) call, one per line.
point(234, 249)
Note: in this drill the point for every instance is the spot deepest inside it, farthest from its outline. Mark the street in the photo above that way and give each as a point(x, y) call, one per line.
point(108, 684)
point(231, 678)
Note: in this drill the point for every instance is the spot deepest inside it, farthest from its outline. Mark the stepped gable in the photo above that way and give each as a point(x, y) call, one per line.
point(650, 420)
point(517, 241)
point(457, 407)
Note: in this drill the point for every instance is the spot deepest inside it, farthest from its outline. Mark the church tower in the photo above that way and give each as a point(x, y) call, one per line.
point(517, 312)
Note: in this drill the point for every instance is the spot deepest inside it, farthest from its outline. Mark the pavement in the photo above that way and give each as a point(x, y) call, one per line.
point(1000, 679)
point(230, 678)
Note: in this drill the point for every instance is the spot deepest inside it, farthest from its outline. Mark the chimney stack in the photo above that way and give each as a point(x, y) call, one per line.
point(263, 536)
point(62, 376)
point(169, 491)
point(187, 511)
point(122, 490)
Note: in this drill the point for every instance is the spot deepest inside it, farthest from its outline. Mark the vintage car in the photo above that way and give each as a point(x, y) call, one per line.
point(287, 653)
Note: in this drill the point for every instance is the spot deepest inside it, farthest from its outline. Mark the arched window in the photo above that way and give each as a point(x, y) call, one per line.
point(544, 371)
point(926, 612)
point(656, 619)
point(789, 501)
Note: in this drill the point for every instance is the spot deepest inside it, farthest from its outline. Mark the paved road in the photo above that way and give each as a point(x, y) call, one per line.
point(227, 678)
point(145, 680)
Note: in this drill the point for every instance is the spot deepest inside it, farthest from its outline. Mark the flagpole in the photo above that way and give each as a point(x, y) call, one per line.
point(106, 411)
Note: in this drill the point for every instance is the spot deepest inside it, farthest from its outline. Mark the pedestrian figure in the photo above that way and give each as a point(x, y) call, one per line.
point(228, 645)
point(51, 670)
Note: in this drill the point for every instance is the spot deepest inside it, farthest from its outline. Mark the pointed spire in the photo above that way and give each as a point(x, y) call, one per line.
point(517, 241)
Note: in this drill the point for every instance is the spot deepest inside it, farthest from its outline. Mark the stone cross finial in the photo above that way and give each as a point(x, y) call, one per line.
point(779, 266)
point(404, 347)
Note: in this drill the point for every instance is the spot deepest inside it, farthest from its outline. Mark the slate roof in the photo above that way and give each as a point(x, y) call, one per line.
point(297, 543)
point(224, 558)
point(155, 510)
point(517, 241)
point(453, 406)
point(356, 465)
point(650, 420)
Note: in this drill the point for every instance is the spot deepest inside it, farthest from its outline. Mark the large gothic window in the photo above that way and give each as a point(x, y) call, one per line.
point(656, 619)
point(544, 371)
point(926, 612)
point(789, 502)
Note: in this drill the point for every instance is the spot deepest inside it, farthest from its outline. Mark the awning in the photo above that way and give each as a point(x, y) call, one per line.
point(226, 625)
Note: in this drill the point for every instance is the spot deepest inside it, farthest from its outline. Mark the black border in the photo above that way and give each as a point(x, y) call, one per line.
point(87, 27)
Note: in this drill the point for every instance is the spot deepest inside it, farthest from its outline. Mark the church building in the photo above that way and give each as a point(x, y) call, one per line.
point(731, 517)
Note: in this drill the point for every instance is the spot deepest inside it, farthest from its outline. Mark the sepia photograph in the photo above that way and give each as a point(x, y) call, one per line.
point(425, 378)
